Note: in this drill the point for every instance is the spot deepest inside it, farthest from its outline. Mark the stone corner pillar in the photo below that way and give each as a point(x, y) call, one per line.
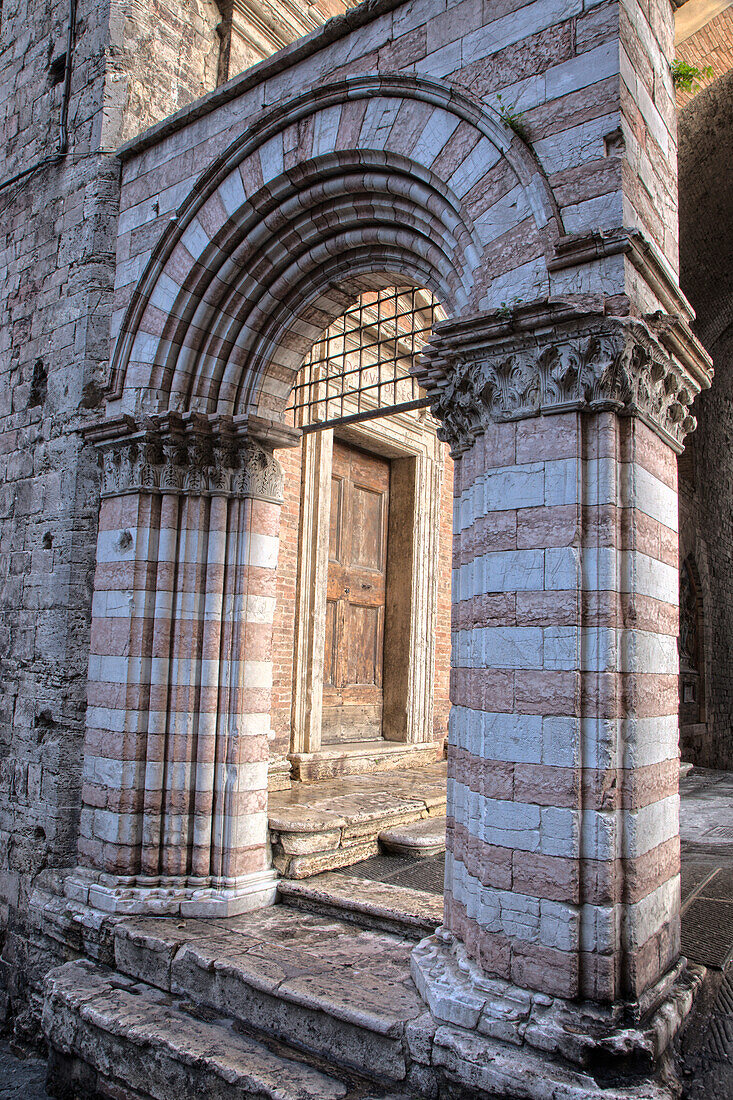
point(562, 892)
point(174, 800)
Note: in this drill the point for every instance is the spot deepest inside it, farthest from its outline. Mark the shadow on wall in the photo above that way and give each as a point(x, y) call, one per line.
point(706, 474)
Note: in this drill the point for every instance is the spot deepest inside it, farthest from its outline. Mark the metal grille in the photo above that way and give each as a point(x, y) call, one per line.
point(416, 874)
point(360, 369)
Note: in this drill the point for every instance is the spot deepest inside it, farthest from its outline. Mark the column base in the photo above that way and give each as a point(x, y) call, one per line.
point(170, 897)
point(621, 1038)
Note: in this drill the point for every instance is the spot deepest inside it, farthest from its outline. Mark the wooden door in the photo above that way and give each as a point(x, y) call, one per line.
point(357, 569)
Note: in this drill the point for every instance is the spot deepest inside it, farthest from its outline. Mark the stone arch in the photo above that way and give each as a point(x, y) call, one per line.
point(397, 176)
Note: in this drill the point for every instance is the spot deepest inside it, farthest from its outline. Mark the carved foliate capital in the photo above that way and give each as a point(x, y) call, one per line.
point(188, 456)
point(501, 370)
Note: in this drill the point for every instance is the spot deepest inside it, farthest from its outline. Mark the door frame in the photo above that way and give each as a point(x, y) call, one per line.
point(410, 441)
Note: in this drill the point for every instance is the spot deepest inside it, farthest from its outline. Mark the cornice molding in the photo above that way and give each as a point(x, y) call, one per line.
point(548, 358)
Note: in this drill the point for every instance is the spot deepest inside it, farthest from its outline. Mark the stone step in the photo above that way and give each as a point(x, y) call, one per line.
point(417, 840)
point(363, 758)
point(334, 823)
point(370, 904)
point(113, 1036)
point(334, 990)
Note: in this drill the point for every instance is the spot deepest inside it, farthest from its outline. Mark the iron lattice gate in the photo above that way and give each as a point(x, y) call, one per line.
point(360, 369)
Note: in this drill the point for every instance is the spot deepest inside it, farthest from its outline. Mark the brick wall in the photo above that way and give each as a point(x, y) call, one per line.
point(284, 626)
point(711, 45)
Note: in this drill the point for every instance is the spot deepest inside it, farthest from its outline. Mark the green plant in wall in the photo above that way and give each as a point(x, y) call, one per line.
point(686, 77)
point(513, 119)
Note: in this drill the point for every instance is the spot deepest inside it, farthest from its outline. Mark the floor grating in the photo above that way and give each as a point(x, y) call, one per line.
point(707, 932)
point(720, 1038)
point(414, 874)
point(694, 875)
point(720, 887)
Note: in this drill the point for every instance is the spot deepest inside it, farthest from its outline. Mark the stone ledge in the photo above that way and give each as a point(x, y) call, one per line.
point(370, 904)
point(111, 1023)
point(363, 758)
point(420, 839)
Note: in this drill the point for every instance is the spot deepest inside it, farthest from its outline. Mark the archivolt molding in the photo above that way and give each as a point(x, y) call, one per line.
point(248, 246)
point(485, 370)
point(187, 455)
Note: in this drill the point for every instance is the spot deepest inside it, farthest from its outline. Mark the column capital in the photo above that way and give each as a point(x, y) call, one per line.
point(192, 453)
point(553, 356)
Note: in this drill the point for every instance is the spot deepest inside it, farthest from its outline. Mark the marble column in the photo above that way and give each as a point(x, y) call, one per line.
point(562, 880)
point(174, 816)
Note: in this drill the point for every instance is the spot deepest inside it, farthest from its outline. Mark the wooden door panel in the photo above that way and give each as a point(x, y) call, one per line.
point(364, 651)
point(367, 528)
point(330, 656)
point(336, 527)
point(352, 690)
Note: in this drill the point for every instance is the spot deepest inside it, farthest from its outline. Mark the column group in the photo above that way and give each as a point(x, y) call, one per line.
point(174, 816)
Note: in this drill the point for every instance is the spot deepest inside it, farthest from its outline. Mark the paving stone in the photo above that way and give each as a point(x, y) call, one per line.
point(21, 1078)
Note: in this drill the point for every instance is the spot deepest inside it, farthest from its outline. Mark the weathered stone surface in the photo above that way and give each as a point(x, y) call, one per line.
point(331, 823)
point(422, 838)
point(336, 990)
point(133, 1035)
point(368, 903)
point(489, 1069)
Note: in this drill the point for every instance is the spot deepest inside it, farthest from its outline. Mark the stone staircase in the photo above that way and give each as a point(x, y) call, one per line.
point(282, 1004)
point(383, 906)
point(116, 1037)
point(278, 1004)
point(335, 823)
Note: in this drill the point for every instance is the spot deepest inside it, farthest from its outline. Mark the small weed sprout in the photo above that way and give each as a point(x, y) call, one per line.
point(686, 77)
point(513, 119)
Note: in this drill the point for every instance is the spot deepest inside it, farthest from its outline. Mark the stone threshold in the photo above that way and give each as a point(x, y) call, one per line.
point(198, 1004)
point(363, 758)
point(383, 906)
point(335, 823)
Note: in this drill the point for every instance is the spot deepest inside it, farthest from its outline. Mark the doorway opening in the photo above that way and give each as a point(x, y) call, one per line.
point(370, 611)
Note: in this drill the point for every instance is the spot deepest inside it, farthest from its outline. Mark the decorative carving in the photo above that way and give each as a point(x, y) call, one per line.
point(188, 458)
point(594, 363)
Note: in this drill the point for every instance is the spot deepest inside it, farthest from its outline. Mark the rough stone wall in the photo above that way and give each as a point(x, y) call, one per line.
point(162, 56)
point(706, 502)
point(57, 229)
point(133, 64)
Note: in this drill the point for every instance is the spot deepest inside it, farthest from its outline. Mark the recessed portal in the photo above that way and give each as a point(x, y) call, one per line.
point(375, 495)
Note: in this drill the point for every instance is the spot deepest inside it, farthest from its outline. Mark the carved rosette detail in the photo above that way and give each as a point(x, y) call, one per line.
point(196, 463)
point(623, 368)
